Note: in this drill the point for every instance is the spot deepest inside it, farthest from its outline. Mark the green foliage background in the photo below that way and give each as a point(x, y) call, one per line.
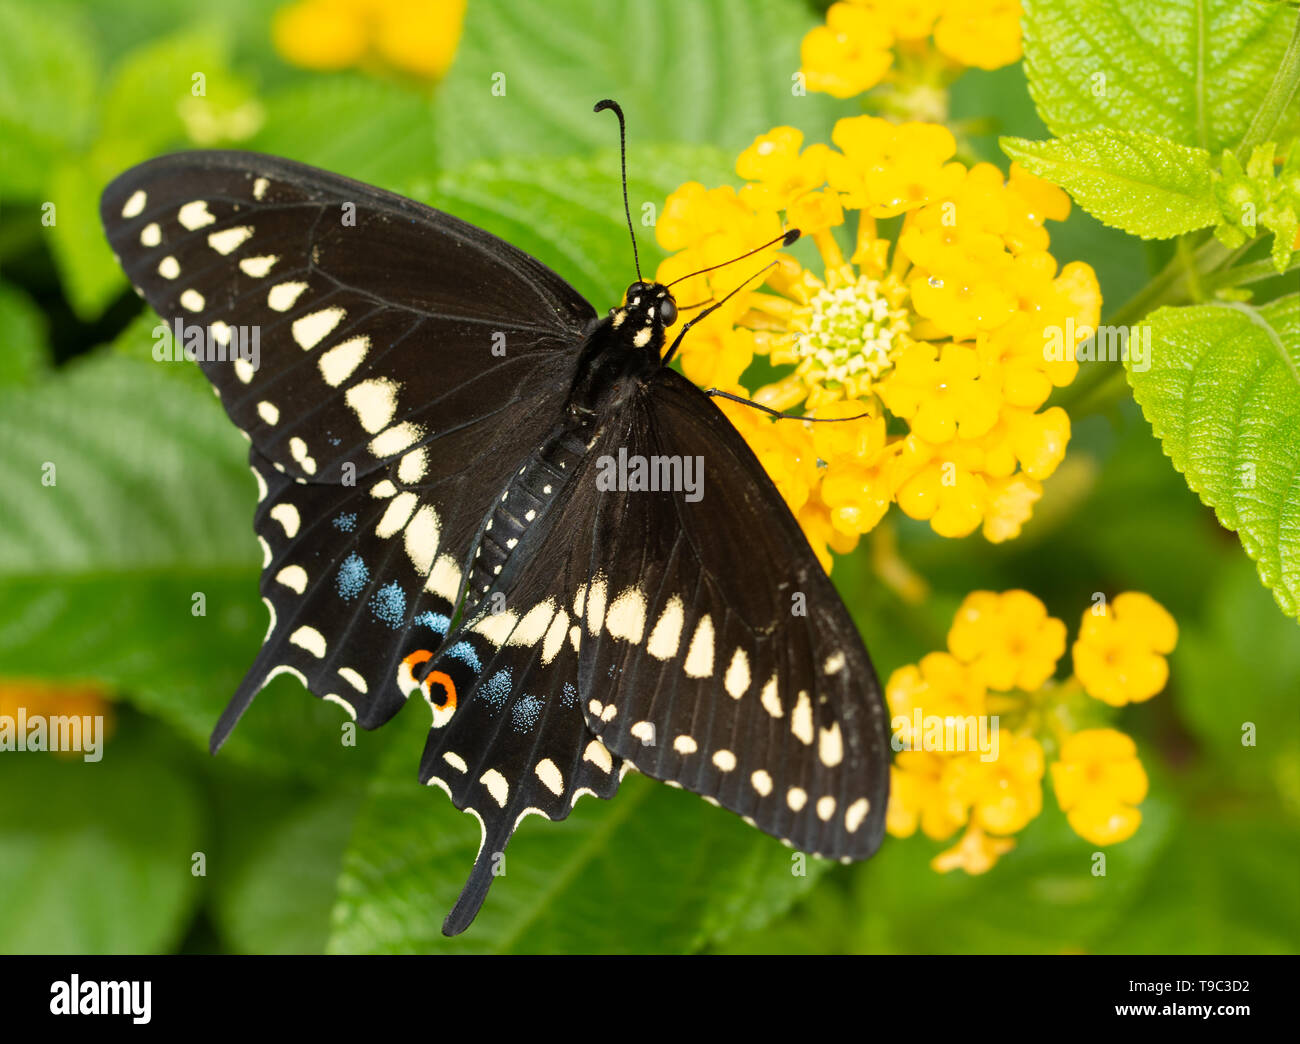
point(312, 846)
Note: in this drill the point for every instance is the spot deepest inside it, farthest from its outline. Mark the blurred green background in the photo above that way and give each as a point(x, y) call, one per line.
point(311, 845)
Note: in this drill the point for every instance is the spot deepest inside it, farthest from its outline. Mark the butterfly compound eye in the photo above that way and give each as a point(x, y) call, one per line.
point(668, 311)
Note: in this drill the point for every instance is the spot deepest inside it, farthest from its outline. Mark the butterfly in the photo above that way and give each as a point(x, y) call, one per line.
point(475, 491)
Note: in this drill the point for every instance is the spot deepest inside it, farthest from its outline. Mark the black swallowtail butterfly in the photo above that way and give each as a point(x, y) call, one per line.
point(430, 418)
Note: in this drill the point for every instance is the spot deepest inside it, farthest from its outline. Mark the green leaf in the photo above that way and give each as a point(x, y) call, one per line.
point(1194, 71)
point(696, 71)
point(655, 870)
point(150, 506)
point(1238, 667)
point(1222, 886)
point(375, 132)
point(97, 858)
point(24, 354)
point(47, 92)
point(275, 874)
point(1146, 185)
point(1223, 394)
point(568, 212)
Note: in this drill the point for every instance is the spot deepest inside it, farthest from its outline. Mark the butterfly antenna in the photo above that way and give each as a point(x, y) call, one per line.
point(785, 239)
point(601, 106)
point(713, 308)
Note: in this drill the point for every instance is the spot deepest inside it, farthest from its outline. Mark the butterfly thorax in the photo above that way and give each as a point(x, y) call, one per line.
point(620, 352)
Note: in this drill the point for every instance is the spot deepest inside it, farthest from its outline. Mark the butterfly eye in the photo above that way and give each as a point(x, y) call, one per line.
point(633, 290)
point(668, 311)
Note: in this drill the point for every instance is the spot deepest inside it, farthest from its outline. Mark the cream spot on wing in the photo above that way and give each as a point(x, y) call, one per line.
point(134, 206)
point(724, 760)
point(337, 364)
point(455, 760)
point(383, 489)
point(282, 296)
point(825, 808)
point(257, 267)
point(311, 329)
point(398, 513)
point(194, 215)
point(374, 402)
point(554, 640)
point(259, 188)
point(737, 680)
point(169, 267)
point(626, 616)
point(496, 627)
point(644, 731)
point(421, 539)
point(550, 776)
point(598, 755)
point(762, 782)
point(151, 235)
point(310, 639)
point(596, 605)
point(796, 798)
point(413, 466)
point(192, 301)
point(396, 439)
point(855, 814)
point(834, 663)
point(444, 578)
point(667, 633)
point(496, 785)
point(229, 239)
point(771, 702)
point(293, 576)
point(801, 719)
point(287, 516)
point(831, 746)
point(532, 627)
point(332, 697)
point(269, 412)
point(685, 744)
point(699, 659)
point(353, 678)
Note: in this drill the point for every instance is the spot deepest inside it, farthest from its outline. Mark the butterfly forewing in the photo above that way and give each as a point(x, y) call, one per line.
point(716, 653)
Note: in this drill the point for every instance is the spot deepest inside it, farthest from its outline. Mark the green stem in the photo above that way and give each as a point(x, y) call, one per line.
point(1251, 273)
point(1280, 93)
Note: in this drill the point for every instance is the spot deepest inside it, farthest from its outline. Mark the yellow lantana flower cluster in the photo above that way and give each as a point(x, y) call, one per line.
point(977, 725)
point(863, 40)
point(415, 37)
point(936, 332)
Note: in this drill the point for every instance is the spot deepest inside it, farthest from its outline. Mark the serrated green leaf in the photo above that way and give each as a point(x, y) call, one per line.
point(151, 505)
point(1146, 185)
point(568, 212)
point(697, 71)
point(1193, 71)
point(96, 857)
point(24, 354)
point(1223, 394)
point(655, 870)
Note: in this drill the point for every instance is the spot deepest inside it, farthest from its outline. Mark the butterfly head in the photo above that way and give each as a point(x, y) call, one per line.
point(647, 309)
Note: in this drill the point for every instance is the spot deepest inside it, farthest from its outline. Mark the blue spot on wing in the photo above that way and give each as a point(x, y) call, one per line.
point(525, 712)
point(570, 694)
point(465, 653)
point(389, 604)
point(434, 621)
point(346, 523)
point(497, 688)
point(352, 578)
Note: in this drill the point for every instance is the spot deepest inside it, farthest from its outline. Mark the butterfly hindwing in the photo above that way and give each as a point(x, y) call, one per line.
point(716, 653)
